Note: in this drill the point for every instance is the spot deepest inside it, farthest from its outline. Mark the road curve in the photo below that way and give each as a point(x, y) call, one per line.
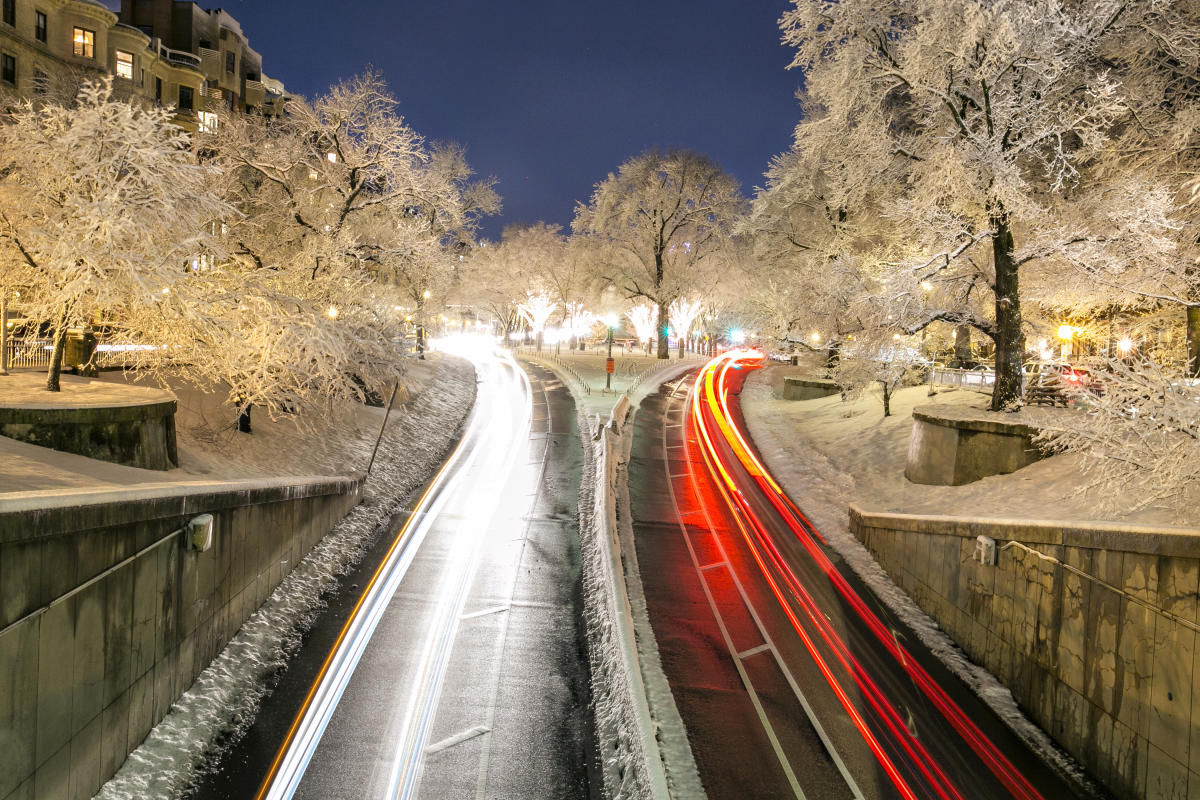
point(792, 678)
point(458, 671)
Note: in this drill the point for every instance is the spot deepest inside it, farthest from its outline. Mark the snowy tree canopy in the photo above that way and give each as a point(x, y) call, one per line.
point(102, 208)
point(971, 143)
point(657, 225)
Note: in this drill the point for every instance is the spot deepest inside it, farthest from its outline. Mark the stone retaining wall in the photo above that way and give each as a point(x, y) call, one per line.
point(808, 388)
point(141, 435)
point(107, 616)
point(950, 450)
point(1099, 645)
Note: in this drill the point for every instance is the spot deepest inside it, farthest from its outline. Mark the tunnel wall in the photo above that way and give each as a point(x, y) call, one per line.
point(1093, 629)
point(107, 615)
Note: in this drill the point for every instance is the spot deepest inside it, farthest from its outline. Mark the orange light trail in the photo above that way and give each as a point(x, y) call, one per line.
point(712, 418)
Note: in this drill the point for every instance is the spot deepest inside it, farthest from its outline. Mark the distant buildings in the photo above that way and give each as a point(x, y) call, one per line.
point(170, 52)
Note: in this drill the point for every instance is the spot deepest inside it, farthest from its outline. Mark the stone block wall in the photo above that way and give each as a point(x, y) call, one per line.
point(107, 617)
point(138, 435)
point(1099, 646)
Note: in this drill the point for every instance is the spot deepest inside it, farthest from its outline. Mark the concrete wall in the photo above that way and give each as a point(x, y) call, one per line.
point(106, 617)
point(950, 451)
point(1109, 664)
point(808, 388)
point(140, 435)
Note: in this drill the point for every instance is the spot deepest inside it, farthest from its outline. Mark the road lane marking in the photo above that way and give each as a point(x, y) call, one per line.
point(753, 651)
point(457, 738)
point(484, 612)
point(762, 629)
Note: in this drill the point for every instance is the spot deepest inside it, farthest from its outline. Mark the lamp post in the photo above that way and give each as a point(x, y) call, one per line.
point(610, 322)
point(3, 333)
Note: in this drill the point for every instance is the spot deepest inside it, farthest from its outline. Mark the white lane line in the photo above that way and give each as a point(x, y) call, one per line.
point(753, 651)
point(787, 672)
point(767, 727)
point(484, 612)
point(457, 738)
point(717, 565)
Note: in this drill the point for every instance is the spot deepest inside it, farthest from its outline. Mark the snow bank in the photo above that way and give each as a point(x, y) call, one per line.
point(639, 734)
point(223, 701)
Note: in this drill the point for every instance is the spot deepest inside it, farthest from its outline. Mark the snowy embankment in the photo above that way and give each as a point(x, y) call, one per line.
point(640, 737)
point(828, 454)
point(223, 701)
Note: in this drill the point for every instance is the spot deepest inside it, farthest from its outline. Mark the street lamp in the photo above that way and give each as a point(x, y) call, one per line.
point(610, 322)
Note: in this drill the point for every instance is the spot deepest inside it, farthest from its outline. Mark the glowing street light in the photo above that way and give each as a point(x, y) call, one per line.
point(737, 337)
point(1124, 346)
point(816, 337)
point(332, 312)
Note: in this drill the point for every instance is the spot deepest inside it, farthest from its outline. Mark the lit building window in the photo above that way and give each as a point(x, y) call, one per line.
point(85, 43)
point(332, 157)
point(208, 121)
point(125, 65)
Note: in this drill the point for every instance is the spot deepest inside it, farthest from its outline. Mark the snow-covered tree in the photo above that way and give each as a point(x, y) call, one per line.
point(656, 225)
point(978, 130)
point(102, 208)
point(683, 315)
point(346, 215)
point(644, 318)
point(537, 310)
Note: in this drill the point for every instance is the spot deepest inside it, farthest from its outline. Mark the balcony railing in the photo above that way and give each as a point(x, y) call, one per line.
point(180, 57)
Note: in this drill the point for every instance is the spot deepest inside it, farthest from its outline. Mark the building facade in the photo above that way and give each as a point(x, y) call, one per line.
point(200, 64)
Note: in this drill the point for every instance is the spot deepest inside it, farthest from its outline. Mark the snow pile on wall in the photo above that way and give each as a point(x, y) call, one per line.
point(622, 718)
point(223, 701)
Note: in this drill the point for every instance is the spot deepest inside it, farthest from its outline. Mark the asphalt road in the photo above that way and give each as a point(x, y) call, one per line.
point(792, 678)
point(457, 671)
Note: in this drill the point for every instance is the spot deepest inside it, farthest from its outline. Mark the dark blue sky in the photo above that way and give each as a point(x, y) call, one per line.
point(551, 95)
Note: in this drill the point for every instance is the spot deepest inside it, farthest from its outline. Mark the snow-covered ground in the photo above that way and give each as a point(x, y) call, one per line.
point(224, 699)
point(829, 454)
point(859, 457)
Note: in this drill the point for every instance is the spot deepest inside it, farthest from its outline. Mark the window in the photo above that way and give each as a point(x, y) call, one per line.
point(125, 65)
point(141, 81)
point(230, 61)
point(8, 69)
point(158, 89)
point(186, 94)
point(41, 82)
point(10, 12)
point(85, 43)
point(39, 26)
point(208, 121)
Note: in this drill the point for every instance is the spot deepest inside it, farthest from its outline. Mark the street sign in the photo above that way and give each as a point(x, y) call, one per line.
point(609, 365)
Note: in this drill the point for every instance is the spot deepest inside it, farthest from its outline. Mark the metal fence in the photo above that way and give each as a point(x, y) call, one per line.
point(29, 352)
point(977, 379)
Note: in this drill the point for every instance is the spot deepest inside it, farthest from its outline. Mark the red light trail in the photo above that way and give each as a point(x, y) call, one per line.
point(727, 453)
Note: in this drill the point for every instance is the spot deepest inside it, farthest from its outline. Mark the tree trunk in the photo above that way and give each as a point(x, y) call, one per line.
point(56, 357)
point(1193, 341)
point(1010, 338)
point(664, 346)
point(243, 422)
point(832, 355)
point(887, 398)
point(962, 345)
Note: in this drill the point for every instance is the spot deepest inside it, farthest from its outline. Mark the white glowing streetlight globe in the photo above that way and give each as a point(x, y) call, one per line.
point(610, 319)
point(737, 337)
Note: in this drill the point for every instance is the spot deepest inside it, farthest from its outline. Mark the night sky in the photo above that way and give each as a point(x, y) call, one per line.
point(551, 95)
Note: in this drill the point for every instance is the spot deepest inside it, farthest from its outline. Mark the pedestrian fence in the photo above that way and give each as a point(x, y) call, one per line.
point(976, 379)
